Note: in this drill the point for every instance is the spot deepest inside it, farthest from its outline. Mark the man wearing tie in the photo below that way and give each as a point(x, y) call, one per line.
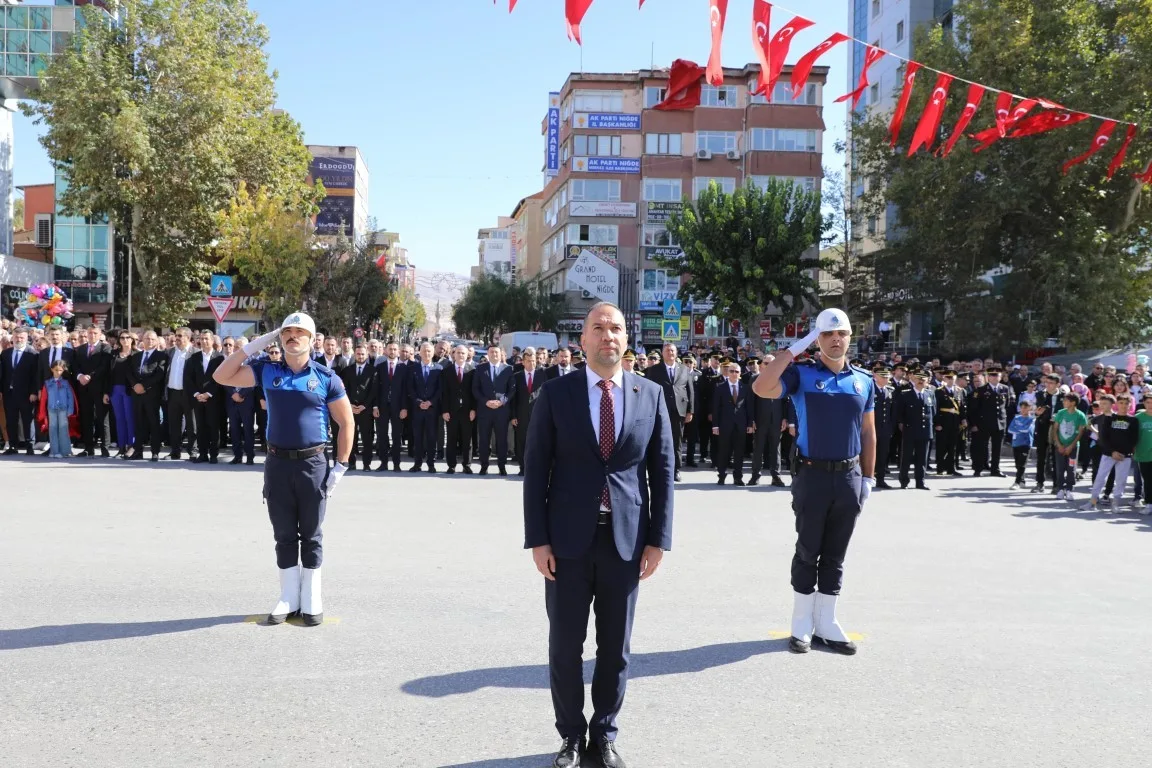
point(360, 383)
point(179, 415)
point(391, 409)
point(424, 396)
point(915, 409)
point(56, 351)
point(678, 394)
point(731, 421)
point(598, 487)
point(204, 392)
point(147, 372)
point(20, 382)
point(563, 365)
point(457, 409)
point(525, 388)
point(491, 389)
point(93, 363)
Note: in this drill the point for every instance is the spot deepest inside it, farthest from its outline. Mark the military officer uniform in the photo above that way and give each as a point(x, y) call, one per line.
point(988, 413)
point(950, 417)
point(885, 420)
point(914, 411)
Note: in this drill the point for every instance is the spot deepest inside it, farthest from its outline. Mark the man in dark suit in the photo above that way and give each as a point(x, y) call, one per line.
point(391, 409)
point(331, 356)
point(424, 404)
point(20, 382)
point(56, 351)
point(768, 415)
point(710, 375)
point(205, 394)
point(360, 384)
point(147, 373)
point(491, 391)
point(915, 409)
point(885, 417)
point(563, 365)
point(676, 380)
point(598, 491)
point(457, 410)
point(732, 419)
point(178, 412)
point(525, 389)
point(93, 364)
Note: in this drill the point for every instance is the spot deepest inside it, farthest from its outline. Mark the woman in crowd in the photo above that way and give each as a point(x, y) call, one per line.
point(1120, 387)
point(119, 396)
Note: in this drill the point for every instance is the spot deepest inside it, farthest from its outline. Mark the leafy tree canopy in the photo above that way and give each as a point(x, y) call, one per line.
point(489, 305)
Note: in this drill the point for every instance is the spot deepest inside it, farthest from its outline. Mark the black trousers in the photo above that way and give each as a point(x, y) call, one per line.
point(986, 450)
point(363, 440)
point(947, 445)
point(1020, 454)
point(913, 453)
point(604, 581)
point(94, 427)
point(458, 439)
point(295, 495)
point(207, 427)
point(21, 424)
point(520, 433)
point(242, 426)
point(730, 451)
point(883, 444)
point(677, 423)
point(424, 434)
point(180, 420)
point(441, 436)
point(1044, 458)
point(146, 409)
point(767, 439)
point(487, 420)
point(389, 435)
point(692, 439)
point(826, 506)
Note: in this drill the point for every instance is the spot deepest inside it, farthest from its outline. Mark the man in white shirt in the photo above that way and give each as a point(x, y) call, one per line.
point(179, 413)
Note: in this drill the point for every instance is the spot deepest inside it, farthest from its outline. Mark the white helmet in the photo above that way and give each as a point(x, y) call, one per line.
point(832, 320)
point(300, 320)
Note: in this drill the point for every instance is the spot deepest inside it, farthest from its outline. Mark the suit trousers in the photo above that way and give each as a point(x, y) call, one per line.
point(986, 450)
point(730, 451)
point(389, 435)
point(913, 453)
point(1044, 454)
point(180, 425)
point(826, 504)
point(424, 434)
point(364, 437)
point(296, 499)
point(883, 443)
point(946, 445)
point(677, 423)
point(207, 427)
point(767, 436)
point(521, 436)
point(242, 427)
point(692, 439)
point(458, 438)
point(19, 412)
point(146, 416)
point(607, 583)
point(487, 420)
point(93, 414)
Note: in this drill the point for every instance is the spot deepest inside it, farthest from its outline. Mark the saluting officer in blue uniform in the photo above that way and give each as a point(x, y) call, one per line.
point(301, 394)
point(832, 470)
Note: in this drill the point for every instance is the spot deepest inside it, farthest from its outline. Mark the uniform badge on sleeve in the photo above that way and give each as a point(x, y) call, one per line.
point(859, 387)
point(312, 384)
point(277, 381)
point(820, 385)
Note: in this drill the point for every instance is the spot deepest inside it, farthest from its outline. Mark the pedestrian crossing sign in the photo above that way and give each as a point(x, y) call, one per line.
point(672, 309)
point(221, 285)
point(671, 330)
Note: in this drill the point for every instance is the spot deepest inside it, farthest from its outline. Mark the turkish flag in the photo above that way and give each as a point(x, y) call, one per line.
point(930, 118)
point(1048, 120)
point(1122, 152)
point(975, 96)
point(872, 56)
point(781, 42)
point(1005, 120)
point(902, 106)
point(1145, 177)
point(574, 11)
point(803, 67)
point(761, 23)
point(511, 5)
point(1003, 112)
point(684, 86)
point(1103, 135)
point(717, 12)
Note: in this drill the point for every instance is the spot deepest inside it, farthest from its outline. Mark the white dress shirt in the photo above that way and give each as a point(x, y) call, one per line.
point(176, 371)
point(54, 354)
point(594, 395)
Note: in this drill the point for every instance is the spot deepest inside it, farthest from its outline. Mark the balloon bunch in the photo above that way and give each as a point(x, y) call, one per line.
point(46, 306)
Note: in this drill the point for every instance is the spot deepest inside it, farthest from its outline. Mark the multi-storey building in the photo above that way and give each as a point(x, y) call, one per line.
point(344, 209)
point(525, 240)
point(496, 250)
point(621, 168)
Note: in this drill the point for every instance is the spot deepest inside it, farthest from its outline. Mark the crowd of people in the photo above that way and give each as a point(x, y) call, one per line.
point(86, 393)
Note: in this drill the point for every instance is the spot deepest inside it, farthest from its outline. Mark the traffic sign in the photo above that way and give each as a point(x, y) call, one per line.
point(221, 285)
point(672, 309)
point(671, 330)
point(221, 307)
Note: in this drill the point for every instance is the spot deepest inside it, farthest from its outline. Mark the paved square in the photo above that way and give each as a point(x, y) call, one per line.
point(998, 629)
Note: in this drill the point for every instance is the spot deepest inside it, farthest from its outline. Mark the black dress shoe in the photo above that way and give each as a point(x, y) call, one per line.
point(45, 453)
point(847, 648)
point(11, 452)
point(452, 470)
point(691, 464)
point(609, 757)
point(755, 480)
point(483, 470)
point(236, 460)
point(976, 473)
point(796, 645)
point(86, 452)
point(903, 486)
point(432, 469)
point(154, 458)
point(998, 473)
point(29, 451)
point(103, 453)
point(570, 754)
point(738, 481)
point(174, 456)
point(250, 460)
point(503, 472)
point(921, 487)
point(467, 469)
point(955, 474)
point(883, 485)
point(777, 482)
point(415, 468)
point(675, 476)
point(720, 480)
point(395, 466)
point(312, 619)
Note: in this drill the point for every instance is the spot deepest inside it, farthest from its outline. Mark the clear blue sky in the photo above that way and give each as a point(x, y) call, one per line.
point(445, 98)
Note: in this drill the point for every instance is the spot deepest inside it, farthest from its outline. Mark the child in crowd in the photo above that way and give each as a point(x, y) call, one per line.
point(1022, 429)
point(1028, 395)
point(1068, 427)
point(1118, 434)
point(60, 403)
point(1143, 453)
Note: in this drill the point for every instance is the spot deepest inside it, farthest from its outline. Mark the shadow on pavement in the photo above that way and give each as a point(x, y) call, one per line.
point(1045, 506)
point(641, 665)
point(531, 761)
point(63, 634)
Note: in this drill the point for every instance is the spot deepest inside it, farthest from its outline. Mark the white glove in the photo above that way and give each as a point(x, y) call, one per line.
point(334, 476)
point(801, 346)
point(866, 486)
point(258, 344)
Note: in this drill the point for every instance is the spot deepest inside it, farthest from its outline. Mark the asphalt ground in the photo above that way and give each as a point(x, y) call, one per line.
point(995, 628)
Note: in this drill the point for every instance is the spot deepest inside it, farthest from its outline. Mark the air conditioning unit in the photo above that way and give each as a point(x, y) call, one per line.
point(44, 230)
point(703, 154)
point(586, 294)
point(732, 154)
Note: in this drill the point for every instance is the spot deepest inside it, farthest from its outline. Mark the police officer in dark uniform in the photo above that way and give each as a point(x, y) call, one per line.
point(989, 417)
point(301, 394)
point(832, 472)
point(951, 415)
point(914, 411)
point(885, 415)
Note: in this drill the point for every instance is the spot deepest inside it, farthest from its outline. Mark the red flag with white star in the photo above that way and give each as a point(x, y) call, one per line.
point(717, 12)
point(933, 113)
point(803, 67)
point(1121, 153)
point(574, 11)
point(1048, 120)
point(1006, 118)
point(781, 42)
point(872, 56)
point(1102, 137)
point(684, 86)
point(902, 105)
point(975, 96)
point(1146, 177)
point(761, 23)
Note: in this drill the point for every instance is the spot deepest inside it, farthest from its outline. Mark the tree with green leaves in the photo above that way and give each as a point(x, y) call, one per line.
point(749, 250)
point(400, 313)
point(845, 263)
point(1013, 250)
point(345, 289)
point(490, 305)
point(157, 120)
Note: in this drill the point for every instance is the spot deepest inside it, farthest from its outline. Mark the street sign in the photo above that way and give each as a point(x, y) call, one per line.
point(672, 309)
point(220, 307)
point(221, 285)
point(671, 330)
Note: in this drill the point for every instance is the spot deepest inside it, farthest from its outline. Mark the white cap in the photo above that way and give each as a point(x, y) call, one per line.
point(832, 320)
point(300, 320)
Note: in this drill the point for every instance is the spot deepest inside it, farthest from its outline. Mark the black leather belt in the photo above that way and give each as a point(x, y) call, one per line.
point(305, 453)
point(605, 518)
point(828, 466)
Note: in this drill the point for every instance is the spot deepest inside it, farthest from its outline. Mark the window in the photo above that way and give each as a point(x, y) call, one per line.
point(658, 234)
point(717, 142)
point(663, 190)
point(900, 31)
point(781, 140)
point(659, 280)
point(552, 211)
point(753, 84)
point(662, 144)
point(807, 182)
point(875, 8)
point(700, 183)
point(874, 94)
point(718, 96)
point(598, 101)
point(565, 152)
point(596, 146)
point(593, 234)
point(566, 109)
point(601, 190)
point(653, 96)
point(873, 224)
point(782, 94)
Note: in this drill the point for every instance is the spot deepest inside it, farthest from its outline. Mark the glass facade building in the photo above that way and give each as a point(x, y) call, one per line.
point(82, 251)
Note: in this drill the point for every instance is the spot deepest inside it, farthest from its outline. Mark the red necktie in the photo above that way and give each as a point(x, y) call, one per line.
point(391, 369)
point(607, 433)
point(459, 374)
point(529, 383)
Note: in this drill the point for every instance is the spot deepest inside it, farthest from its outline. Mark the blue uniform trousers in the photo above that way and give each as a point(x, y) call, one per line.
point(826, 504)
point(294, 492)
point(242, 425)
point(488, 419)
point(603, 580)
point(389, 434)
point(424, 434)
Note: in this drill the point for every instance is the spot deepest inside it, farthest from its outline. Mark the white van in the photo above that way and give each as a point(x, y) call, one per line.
point(524, 339)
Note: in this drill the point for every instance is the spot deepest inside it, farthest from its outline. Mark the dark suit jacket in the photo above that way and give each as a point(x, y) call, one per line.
point(456, 396)
point(522, 400)
point(154, 377)
point(361, 389)
point(420, 389)
point(98, 365)
point(337, 363)
point(678, 392)
point(564, 474)
point(485, 389)
point(69, 357)
point(391, 391)
point(915, 412)
point(196, 380)
point(725, 413)
point(553, 371)
point(24, 381)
